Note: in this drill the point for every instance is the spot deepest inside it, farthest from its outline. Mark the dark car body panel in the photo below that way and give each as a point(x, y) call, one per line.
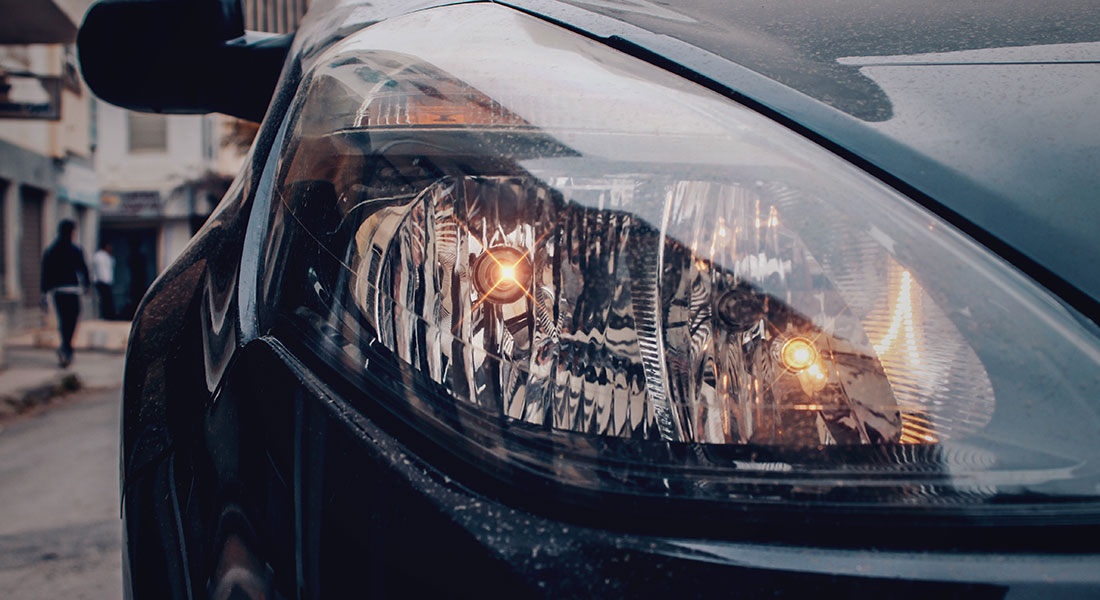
point(805, 44)
point(236, 454)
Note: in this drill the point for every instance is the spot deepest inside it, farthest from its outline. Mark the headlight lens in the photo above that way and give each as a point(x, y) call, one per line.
point(590, 269)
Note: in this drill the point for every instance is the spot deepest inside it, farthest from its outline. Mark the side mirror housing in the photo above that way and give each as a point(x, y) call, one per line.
point(179, 56)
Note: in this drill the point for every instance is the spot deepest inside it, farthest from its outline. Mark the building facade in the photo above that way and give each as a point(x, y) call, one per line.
point(273, 16)
point(47, 148)
point(160, 176)
point(143, 183)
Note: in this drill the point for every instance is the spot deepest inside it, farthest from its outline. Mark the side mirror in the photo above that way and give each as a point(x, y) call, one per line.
point(179, 56)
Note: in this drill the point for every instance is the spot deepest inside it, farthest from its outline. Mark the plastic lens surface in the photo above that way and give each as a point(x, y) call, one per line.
point(616, 329)
point(561, 240)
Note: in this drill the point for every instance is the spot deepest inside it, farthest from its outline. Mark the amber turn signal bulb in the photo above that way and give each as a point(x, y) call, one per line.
point(502, 274)
point(798, 354)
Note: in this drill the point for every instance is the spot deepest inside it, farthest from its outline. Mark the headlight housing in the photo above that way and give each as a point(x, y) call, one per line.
point(560, 261)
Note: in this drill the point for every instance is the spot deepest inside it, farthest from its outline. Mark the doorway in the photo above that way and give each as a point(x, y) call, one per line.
point(31, 204)
point(135, 252)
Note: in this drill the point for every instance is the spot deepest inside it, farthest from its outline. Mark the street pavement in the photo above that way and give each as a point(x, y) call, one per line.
point(60, 533)
point(32, 377)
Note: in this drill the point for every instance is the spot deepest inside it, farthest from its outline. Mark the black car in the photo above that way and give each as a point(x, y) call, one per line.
point(623, 298)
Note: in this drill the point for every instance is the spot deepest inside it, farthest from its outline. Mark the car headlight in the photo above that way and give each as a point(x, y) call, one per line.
point(556, 256)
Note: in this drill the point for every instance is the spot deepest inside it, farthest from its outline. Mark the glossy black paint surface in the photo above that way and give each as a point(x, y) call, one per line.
point(809, 46)
point(238, 459)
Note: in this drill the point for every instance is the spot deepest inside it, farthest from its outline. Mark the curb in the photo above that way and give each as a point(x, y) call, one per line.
point(22, 400)
point(106, 336)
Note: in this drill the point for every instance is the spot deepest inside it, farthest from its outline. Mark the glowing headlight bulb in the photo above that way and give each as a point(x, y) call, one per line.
point(798, 354)
point(502, 274)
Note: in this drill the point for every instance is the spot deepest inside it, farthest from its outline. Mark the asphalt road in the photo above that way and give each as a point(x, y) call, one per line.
point(60, 533)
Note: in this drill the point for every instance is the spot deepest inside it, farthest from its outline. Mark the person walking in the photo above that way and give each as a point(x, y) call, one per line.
point(65, 275)
point(103, 277)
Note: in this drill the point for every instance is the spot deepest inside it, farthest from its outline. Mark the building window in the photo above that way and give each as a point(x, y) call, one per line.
point(148, 132)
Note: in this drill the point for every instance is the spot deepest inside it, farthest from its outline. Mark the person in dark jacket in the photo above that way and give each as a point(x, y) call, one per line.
point(65, 275)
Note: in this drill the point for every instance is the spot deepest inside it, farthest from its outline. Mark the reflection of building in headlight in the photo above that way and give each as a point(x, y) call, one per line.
point(899, 353)
point(901, 324)
point(925, 360)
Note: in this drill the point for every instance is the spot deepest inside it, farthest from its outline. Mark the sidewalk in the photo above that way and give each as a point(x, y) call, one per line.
point(91, 334)
point(31, 375)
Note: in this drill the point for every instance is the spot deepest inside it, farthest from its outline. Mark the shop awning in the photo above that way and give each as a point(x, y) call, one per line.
point(40, 21)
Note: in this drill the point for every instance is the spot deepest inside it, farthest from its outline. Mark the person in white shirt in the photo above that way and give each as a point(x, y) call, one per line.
point(103, 276)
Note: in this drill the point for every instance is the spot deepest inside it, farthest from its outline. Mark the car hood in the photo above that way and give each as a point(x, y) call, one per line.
point(990, 110)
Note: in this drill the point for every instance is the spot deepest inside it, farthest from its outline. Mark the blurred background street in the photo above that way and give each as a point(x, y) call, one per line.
point(138, 186)
point(60, 534)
